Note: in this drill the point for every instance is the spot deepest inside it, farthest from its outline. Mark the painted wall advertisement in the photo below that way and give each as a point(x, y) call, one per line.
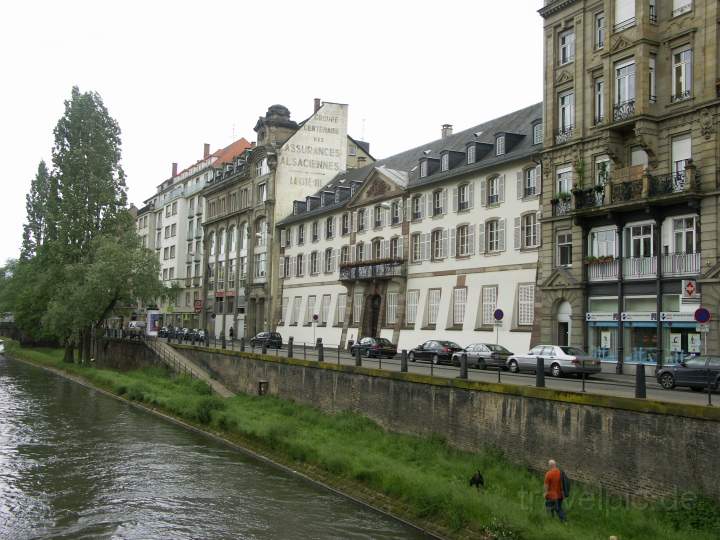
point(153, 322)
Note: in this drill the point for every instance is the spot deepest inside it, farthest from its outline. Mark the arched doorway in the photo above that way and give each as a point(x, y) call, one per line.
point(564, 315)
point(371, 320)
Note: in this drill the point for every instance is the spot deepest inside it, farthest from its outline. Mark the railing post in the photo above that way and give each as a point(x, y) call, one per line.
point(242, 344)
point(463, 366)
point(540, 372)
point(321, 350)
point(403, 361)
point(222, 341)
point(264, 347)
point(358, 358)
point(291, 341)
point(640, 390)
point(304, 351)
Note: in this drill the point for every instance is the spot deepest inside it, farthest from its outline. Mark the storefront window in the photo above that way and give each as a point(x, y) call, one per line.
point(602, 341)
point(640, 342)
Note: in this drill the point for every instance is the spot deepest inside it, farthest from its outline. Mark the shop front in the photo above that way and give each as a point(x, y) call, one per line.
point(602, 331)
point(640, 333)
point(680, 337)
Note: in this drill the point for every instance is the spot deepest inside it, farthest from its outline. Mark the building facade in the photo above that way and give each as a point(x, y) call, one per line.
point(629, 204)
point(423, 245)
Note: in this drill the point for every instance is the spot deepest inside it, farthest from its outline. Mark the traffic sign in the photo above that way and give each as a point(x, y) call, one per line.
point(315, 317)
point(702, 315)
point(498, 314)
point(702, 328)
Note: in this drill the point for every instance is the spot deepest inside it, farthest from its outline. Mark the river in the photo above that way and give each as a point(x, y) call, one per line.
point(76, 464)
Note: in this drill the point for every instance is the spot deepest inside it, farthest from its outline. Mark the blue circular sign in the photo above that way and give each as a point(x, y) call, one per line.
point(498, 314)
point(702, 315)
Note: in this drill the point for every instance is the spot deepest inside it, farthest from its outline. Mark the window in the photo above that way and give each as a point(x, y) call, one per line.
point(344, 254)
point(624, 82)
point(684, 235)
point(378, 216)
point(526, 304)
point(433, 305)
point(438, 238)
point(324, 308)
point(624, 14)
point(411, 305)
point(329, 260)
point(567, 46)
point(564, 249)
point(459, 301)
point(538, 133)
point(172, 252)
point(493, 188)
point(376, 248)
point(416, 245)
point(682, 74)
point(500, 145)
point(681, 6)
point(211, 276)
point(602, 243)
point(310, 309)
point(345, 224)
point(463, 241)
point(391, 301)
point(602, 170)
point(495, 233)
point(174, 208)
point(260, 265)
point(529, 230)
point(262, 192)
point(395, 213)
point(361, 220)
point(599, 30)
point(231, 273)
point(261, 167)
point(221, 276)
point(173, 229)
point(340, 308)
point(243, 268)
point(165, 253)
point(445, 162)
point(489, 303)
point(286, 267)
point(651, 69)
point(463, 197)
point(360, 252)
point(639, 241)
point(471, 154)
point(297, 301)
point(164, 273)
point(315, 231)
point(301, 234)
point(566, 111)
point(284, 308)
point(242, 237)
point(329, 228)
point(416, 207)
point(299, 266)
point(423, 169)
point(530, 184)
point(167, 231)
point(314, 263)
point(231, 239)
point(681, 153)
point(563, 180)
point(438, 202)
point(395, 249)
point(221, 241)
point(357, 307)
point(262, 232)
point(652, 12)
point(599, 86)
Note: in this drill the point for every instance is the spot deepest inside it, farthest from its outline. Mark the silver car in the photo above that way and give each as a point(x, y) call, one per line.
point(482, 355)
point(558, 360)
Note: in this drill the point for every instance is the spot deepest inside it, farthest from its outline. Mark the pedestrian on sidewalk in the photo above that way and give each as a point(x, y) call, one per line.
point(232, 333)
point(554, 493)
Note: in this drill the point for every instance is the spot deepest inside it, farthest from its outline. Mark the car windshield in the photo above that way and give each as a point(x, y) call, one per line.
point(497, 348)
point(383, 341)
point(449, 344)
point(574, 351)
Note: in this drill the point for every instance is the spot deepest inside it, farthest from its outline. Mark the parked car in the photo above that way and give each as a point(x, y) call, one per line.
point(272, 340)
point(377, 347)
point(482, 355)
point(435, 351)
point(200, 336)
point(692, 373)
point(559, 360)
point(163, 332)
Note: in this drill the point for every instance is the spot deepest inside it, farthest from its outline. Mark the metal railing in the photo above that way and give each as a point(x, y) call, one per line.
point(664, 184)
point(562, 207)
point(373, 270)
point(589, 198)
point(681, 264)
point(563, 135)
point(603, 270)
point(623, 111)
point(639, 267)
point(627, 191)
point(687, 6)
point(624, 25)
point(682, 96)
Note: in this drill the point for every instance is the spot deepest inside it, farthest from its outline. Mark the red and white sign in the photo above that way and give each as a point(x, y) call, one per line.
point(689, 288)
point(198, 306)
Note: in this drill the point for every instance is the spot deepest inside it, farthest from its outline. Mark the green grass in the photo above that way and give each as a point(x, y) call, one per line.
point(424, 477)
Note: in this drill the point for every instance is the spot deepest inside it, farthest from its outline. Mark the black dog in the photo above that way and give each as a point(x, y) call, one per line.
point(477, 480)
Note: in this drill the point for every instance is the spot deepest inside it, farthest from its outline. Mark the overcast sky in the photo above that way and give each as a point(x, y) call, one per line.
point(178, 74)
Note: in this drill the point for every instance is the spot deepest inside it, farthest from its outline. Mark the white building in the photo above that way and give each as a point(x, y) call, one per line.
point(425, 244)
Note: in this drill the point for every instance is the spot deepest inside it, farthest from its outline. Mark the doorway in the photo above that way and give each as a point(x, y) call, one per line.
point(564, 314)
point(372, 316)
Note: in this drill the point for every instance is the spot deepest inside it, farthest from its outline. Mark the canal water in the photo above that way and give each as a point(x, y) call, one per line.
point(76, 464)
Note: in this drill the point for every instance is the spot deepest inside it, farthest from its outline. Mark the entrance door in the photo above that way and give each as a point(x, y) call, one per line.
point(563, 334)
point(372, 316)
point(564, 314)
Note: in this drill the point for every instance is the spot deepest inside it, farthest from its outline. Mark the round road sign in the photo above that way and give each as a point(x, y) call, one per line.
point(498, 314)
point(702, 315)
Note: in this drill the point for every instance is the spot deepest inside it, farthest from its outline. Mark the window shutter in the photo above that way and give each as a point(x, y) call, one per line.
point(445, 201)
point(294, 264)
point(453, 247)
point(429, 204)
point(455, 199)
point(351, 253)
point(538, 180)
point(444, 243)
point(401, 245)
point(471, 194)
point(334, 226)
point(518, 245)
point(502, 188)
point(520, 189)
point(501, 234)
point(471, 240)
point(481, 237)
point(421, 206)
point(538, 230)
point(483, 195)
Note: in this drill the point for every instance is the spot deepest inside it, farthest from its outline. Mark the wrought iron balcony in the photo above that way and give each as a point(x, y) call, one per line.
point(639, 267)
point(374, 269)
point(602, 269)
point(627, 191)
point(682, 96)
point(561, 207)
point(665, 184)
point(624, 25)
point(589, 198)
point(563, 135)
point(681, 264)
point(623, 111)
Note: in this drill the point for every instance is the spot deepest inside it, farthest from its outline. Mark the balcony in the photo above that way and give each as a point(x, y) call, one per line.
point(624, 25)
point(563, 135)
point(590, 197)
point(375, 269)
point(561, 207)
point(602, 269)
point(665, 184)
point(682, 96)
point(639, 267)
point(687, 6)
point(680, 264)
point(623, 111)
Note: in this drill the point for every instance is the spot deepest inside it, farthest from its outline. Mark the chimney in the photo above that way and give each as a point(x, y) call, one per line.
point(446, 131)
point(206, 151)
point(317, 105)
point(174, 170)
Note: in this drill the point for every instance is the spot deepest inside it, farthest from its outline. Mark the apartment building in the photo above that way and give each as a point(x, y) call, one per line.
point(424, 244)
point(630, 196)
point(249, 194)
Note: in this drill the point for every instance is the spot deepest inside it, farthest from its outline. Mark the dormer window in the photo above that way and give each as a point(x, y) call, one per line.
point(538, 133)
point(423, 169)
point(500, 145)
point(445, 162)
point(471, 154)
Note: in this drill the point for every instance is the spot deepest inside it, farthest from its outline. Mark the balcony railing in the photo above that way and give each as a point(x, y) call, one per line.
point(623, 111)
point(589, 198)
point(687, 6)
point(563, 135)
point(627, 191)
point(664, 184)
point(639, 267)
point(375, 269)
point(681, 264)
point(624, 25)
point(682, 96)
point(561, 207)
point(603, 270)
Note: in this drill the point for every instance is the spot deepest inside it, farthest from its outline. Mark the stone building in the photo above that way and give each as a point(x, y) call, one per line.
point(422, 245)
point(249, 194)
point(630, 200)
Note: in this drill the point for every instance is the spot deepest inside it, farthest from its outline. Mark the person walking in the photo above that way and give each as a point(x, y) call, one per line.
point(554, 493)
point(232, 333)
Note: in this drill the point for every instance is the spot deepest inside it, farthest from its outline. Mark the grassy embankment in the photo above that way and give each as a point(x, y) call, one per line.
point(421, 479)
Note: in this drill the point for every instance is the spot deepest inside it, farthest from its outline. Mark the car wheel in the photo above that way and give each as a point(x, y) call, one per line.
point(436, 359)
point(513, 366)
point(555, 370)
point(667, 381)
point(411, 357)
point(455, 361)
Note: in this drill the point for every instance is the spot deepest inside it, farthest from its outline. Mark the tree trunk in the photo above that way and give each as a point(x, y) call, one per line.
point(69, 353)
point(86, 345)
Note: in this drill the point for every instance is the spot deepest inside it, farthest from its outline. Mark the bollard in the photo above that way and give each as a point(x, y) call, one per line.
point(358, 358)
point(338, 354)
point(264, 347)
point(710, 383)
point(193, 340)
point(291, 341)
point(463, 366)
point(640, 390)
point(321, 351)
point(403, 361)
point(304, 351)
point(540, 373)
point(499, 371)
point(222, 341)
point(242, 344)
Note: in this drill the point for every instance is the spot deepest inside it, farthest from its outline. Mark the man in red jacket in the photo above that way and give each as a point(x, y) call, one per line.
point(554, 491)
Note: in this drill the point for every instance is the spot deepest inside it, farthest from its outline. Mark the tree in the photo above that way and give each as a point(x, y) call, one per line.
point(40, 206)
